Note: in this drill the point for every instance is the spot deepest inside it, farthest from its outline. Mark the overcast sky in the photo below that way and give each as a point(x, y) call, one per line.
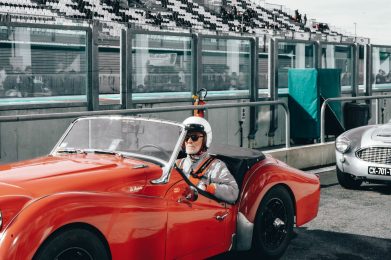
point(372, 17)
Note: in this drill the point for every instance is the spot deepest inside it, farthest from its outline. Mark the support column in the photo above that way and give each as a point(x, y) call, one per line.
point(92, 68)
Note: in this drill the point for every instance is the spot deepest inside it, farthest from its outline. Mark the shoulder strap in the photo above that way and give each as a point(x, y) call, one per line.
point(180, 163)
point(202, 167)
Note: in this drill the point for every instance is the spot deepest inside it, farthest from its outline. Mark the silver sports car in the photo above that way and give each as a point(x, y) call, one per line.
point(364, 154)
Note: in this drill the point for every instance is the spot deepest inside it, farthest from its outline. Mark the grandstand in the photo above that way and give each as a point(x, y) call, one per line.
point(233, 17)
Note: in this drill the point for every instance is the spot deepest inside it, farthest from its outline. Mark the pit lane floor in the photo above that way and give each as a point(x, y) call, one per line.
point(351, 225)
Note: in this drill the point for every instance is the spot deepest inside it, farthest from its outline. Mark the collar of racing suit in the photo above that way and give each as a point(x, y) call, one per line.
point(194, 158)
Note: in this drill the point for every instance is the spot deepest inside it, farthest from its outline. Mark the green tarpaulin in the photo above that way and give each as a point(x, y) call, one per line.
point(308, 88)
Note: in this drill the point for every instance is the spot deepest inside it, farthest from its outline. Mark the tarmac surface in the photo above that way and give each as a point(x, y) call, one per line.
point(351, 225)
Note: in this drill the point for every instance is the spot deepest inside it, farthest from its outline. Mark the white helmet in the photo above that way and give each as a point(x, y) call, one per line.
point(195, 123)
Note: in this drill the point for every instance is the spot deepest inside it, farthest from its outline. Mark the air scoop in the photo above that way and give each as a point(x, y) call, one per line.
point(382, 133)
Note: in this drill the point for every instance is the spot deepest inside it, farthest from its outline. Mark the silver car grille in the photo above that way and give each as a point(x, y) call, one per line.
point(375, 155)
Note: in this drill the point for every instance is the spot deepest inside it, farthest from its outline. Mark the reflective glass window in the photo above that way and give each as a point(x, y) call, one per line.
point(161, 66)
point(293, 55)
point(42, 65)
point(109, 74)
point(263, 66)
point(339, 57)
point(226, 66)
point(381, 64)
point(109, 56)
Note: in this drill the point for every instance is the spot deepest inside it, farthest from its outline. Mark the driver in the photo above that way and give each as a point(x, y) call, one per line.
point(203, 170)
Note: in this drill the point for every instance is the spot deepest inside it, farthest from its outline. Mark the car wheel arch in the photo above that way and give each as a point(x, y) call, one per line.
point(262, 190)
point(244, 240)
point(73, 226)
point(288, 189)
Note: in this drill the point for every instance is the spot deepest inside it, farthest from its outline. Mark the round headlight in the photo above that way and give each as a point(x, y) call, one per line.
point(342, 144)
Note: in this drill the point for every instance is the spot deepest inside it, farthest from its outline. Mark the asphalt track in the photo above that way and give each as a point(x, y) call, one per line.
point(351, 225)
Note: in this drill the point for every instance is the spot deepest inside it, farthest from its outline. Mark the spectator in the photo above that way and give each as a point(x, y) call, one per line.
point(3, 76)
point(234, 81)
point(388, 77)
point(381, 77)
point(27, 82)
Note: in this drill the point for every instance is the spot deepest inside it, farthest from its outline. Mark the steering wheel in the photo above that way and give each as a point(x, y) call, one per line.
point(156, 147)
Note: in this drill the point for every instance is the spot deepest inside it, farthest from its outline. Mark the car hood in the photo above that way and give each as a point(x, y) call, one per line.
point(47, 167)
point(382, 133)
point(375, 135)
point(52, 174)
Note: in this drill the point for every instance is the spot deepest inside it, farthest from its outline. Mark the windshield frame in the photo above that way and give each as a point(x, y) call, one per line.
point(166, 165)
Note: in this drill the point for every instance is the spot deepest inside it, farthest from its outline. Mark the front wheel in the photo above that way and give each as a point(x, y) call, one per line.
point(273, 224)
point(75, 244)
point(347, 181)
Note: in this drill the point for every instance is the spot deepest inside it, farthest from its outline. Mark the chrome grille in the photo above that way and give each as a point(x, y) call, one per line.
point(375, 155)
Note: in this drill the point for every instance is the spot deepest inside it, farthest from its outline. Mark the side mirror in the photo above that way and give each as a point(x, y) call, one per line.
point(191, 194)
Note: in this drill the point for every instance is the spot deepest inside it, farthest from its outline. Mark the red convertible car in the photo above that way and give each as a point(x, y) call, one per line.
point(110, 190)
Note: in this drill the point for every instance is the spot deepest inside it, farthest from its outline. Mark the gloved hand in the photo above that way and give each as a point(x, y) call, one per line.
point(201, 185)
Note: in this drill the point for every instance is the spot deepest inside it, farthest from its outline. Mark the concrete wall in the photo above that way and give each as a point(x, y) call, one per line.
point(306, 156)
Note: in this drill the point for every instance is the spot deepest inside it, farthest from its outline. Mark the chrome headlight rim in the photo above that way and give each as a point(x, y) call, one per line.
point(342, 144)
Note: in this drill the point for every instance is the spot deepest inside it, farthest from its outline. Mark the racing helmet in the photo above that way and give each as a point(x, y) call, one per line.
point(195, 123)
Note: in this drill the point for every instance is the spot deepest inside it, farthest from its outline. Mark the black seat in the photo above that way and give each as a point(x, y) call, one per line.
point(238, 160)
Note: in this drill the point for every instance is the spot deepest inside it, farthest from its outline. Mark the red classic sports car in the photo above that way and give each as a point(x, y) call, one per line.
point(110, 190)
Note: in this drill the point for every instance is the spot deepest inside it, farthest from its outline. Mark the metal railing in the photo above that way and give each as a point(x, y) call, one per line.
point(19, 118)
point(323, 109)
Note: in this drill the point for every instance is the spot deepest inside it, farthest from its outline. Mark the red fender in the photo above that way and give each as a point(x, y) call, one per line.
point(304, 189)
point(123, 225)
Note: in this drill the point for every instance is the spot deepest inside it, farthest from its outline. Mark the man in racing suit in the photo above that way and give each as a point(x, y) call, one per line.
point(203, 170)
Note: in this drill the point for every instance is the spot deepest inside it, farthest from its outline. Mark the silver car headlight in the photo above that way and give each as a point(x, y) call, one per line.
point(342, 144)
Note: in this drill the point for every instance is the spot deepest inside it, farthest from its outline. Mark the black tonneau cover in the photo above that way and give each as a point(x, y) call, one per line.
point(238, 160)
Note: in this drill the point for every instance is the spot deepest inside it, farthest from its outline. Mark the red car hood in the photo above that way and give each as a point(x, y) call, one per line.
point(92, 172)
point(47, 167)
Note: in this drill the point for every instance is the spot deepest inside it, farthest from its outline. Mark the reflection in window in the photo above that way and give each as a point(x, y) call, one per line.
point(381, 62)
point(263, 64)
point(161, 63)
point(109, 70)
point(225, 64)
point(42, 62)
point(293, 55)
point(339, 57)
point(361, 65)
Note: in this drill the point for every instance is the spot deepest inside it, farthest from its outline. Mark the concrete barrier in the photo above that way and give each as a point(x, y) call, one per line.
point(307, 156)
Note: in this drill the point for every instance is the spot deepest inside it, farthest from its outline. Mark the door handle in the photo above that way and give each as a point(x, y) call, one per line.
point(222, 217)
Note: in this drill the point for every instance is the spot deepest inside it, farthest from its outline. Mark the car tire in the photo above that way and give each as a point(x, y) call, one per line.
point(347, 181)
point(273, 224)
point(72, 244)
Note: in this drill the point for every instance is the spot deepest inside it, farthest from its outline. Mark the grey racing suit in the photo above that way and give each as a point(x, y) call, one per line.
point(215, 178)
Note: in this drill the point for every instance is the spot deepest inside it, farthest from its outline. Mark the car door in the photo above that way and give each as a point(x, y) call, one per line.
point(196, 229)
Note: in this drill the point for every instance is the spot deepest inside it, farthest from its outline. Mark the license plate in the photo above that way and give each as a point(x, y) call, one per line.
point(379, 171)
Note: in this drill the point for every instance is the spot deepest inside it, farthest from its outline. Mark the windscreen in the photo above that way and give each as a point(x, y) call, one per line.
point(126, 136)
